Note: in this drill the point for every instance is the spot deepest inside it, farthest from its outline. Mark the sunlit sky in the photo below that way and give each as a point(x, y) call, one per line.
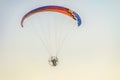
point(92, 52)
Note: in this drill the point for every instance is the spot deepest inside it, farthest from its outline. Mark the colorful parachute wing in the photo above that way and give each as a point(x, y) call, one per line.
point(58, 9)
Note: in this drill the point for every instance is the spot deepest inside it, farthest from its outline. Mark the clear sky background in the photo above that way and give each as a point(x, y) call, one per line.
point(90, 53)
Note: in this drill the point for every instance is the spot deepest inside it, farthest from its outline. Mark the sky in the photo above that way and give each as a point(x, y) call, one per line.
point(91, 52)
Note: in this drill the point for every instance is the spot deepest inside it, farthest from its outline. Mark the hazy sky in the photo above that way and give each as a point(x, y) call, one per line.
point(92, 52)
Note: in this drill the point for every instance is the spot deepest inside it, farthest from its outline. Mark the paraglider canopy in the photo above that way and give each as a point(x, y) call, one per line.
point(53, 8)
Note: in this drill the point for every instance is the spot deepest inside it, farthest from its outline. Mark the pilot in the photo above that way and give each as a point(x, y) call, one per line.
point(53, 61)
